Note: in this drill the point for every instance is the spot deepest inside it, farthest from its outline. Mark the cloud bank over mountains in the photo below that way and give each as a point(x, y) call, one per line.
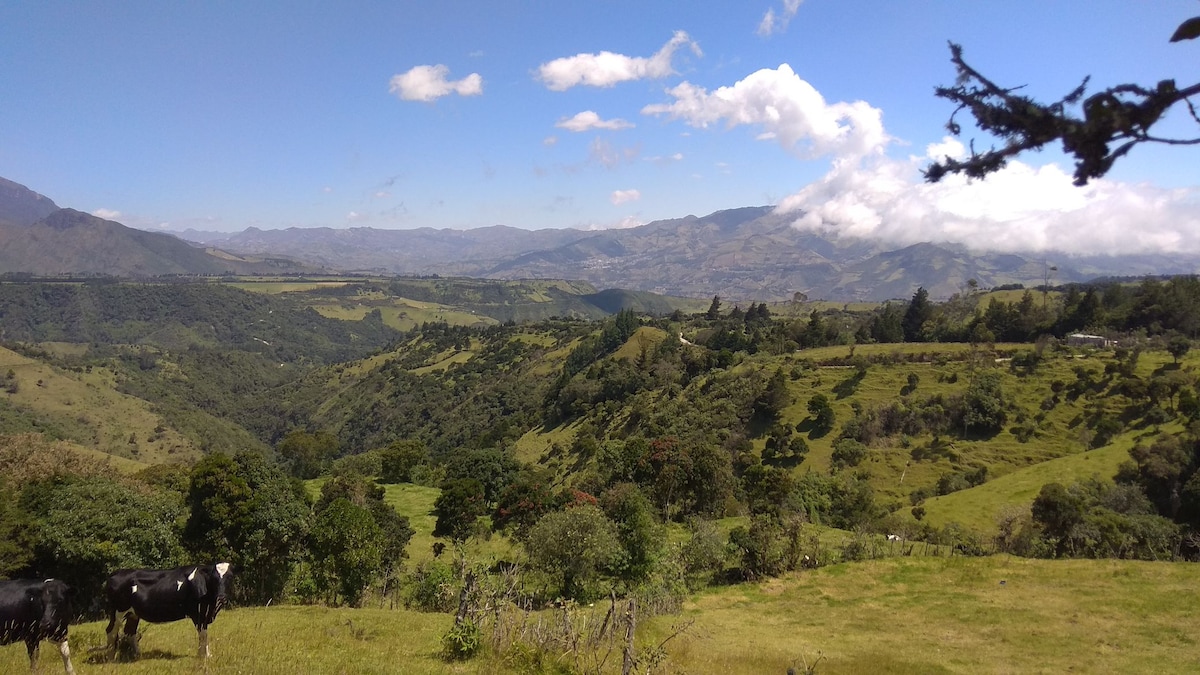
point(868, 191)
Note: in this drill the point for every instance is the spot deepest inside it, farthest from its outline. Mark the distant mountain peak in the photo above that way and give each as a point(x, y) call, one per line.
point(21, 206)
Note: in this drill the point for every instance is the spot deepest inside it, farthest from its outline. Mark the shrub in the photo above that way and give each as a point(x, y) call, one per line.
point(848, 452)
point(462, 641)
point(432, 587)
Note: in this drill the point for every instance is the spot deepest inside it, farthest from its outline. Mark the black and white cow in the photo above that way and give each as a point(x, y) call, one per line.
point(32, 610)
point(196, 592)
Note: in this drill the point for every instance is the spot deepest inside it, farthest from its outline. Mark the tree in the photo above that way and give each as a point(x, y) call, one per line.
point(919, 311)
point(714, 310)
point(90, 526)
point(17, 532)
point(822, 414)
point(397, 460)
point(461, 502)
point(347, 549)
point(1123, 114)
point(1178, 347)
point(640, 534)
point(1058, 511)
point(1163, 469)
point(305, 454)
point(774, 398)
point(983, 404)
point(522, 503)
point(847, 452)
point(493, 468)
point(246, 511)
point(574, 545)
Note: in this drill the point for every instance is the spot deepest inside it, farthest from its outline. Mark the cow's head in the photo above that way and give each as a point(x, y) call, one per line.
point(210, 583)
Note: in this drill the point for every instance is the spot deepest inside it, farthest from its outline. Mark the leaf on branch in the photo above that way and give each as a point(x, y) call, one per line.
point(1188, 30)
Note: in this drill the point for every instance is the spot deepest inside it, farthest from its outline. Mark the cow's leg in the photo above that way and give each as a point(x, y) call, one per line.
point(64, 650)
point(203, 652)
point(112, 632)
point(131, 634)
point(31, 644)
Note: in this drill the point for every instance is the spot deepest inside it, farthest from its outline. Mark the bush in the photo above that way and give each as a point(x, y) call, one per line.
point(462, 641)
point(848, 452)
point(704, 554)
point(432, 587)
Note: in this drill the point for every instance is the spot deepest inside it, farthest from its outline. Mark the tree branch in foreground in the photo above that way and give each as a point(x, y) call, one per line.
point(1119, 116)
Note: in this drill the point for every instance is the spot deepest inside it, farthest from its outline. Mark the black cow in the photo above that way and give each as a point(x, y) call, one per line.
point(34, 610)
point(196, 592)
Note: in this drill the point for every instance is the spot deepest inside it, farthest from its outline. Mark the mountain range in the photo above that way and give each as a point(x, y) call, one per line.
point(750, 253)
point(37, 237)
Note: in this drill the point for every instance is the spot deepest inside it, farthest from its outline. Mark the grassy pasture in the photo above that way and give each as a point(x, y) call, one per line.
point(948, 615)
point(86, 409)
point(276, 287)
point(977, 508)
point(399, 313)
point(899, 615)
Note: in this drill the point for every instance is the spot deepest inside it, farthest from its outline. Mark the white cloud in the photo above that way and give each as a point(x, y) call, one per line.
point(666, 159)
point(381, 194)
point(550, 141)
point(107, 214)
point(619, 197)
point(588, 120)
point(356, 217)
point(622, 224)
point(326, 189)
point(429, 83)
point(787, 108)
point(773, 23)
point(607, 69)
point(1021, 209)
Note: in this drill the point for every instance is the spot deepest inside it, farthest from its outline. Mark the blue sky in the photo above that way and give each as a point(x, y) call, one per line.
point(551, 114)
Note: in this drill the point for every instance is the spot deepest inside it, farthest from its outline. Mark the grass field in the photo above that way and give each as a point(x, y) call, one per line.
point(978, 508)
point(949, 615)
point(900, 615)
point(86, 409)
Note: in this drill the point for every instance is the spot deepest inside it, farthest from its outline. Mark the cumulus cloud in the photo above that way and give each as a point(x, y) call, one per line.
point(619, 197)
point(550, 141)
point(777, 23)
point(107, 214)
point(1020, 209)
point(382, 194)
point(588, 120)
point(606, 69)
point(786, 108)
point(429, 83)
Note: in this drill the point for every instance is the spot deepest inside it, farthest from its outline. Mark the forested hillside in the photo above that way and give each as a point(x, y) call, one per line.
point(698, 447)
